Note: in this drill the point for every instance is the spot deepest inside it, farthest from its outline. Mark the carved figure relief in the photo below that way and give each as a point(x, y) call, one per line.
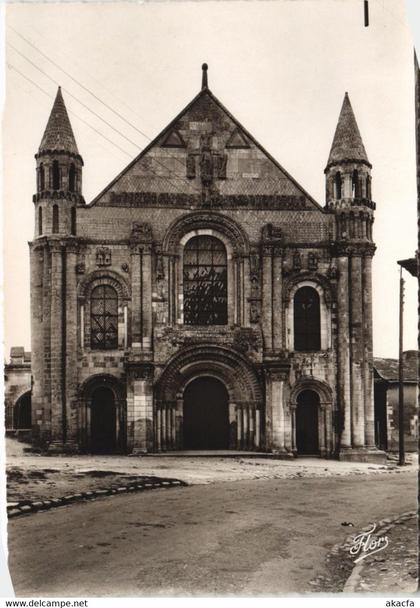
point(191, 169)
point(255, 300)
point(297, 261)
point(103, 256)
point(312, 261)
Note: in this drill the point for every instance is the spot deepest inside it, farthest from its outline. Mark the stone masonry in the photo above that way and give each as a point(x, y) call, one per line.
point(116, 349)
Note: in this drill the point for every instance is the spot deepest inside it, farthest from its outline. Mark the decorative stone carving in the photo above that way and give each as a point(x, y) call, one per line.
point(271, 233)
point(221, 165)
point(141, 372)
point(125, 267)
point(160, 271)
point(81, 268)
point(312, 261)
point(245, 341)
point(206, 167)
point(141, 232)
point(254, 276)
point(332, 273)
point(191, 168)
point(255, 311)
point(297, 261)
point(103, 256)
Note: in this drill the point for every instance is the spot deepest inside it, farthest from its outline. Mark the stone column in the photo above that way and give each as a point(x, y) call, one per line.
point(37, 345)
point(58, 414)
point(343, 355)
point(147, 324)
point(356, 319)
point(141, 286)
point(46, 340)
point(278, 423)
point(277, 297)
point(135, 298)
point(267, 297)
point(140, 408)
point(232, 425)
point(71, 349)
point(179, 423)
point(368, 350)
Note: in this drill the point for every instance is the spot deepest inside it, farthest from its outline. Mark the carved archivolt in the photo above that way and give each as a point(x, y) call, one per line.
point(87, 388)
point(290, 283)
point(239, 377)
point(203, 220)
point(306, 383)
point(104, 277)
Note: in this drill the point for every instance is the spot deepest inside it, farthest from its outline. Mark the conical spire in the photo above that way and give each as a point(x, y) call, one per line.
point(58, 134)
point(347, 144)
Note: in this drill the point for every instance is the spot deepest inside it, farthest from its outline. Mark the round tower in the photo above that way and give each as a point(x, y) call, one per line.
point(349, 181)
point(349, 198)
point(59, 176)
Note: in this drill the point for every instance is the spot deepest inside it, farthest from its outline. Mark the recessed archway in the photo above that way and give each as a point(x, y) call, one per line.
point(103, 421)
point(22, 414)
point(206, 415)
point(307, 423)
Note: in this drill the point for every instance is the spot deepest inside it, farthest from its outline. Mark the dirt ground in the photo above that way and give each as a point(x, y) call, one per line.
point(32, 476)
point(252, 537)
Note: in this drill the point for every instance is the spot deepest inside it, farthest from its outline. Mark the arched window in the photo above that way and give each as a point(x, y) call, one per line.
point(72, 178)
point(205, 281)
point(40, 221)
point(41, 177)
point(55, 175)
point(355, 190)
point(337, 181)
point(104, 318)
point(55, 222)
point(307, 319)
point(73, 220)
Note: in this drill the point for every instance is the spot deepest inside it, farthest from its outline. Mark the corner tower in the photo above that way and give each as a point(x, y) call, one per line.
point(53, 260)
point(59, 175)
point(349, 198)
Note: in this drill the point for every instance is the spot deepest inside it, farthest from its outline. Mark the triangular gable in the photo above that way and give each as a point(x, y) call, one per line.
point(161, 170)
point(173, 140)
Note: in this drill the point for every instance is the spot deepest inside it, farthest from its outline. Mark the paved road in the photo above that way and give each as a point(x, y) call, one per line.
point(246, 537)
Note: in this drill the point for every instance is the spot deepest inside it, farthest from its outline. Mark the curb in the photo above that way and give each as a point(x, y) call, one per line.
point(27, 507)
point(384, 525)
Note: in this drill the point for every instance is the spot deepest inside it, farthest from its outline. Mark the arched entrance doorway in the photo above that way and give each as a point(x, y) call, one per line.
point(307, 435)
point(103, 421)
point(22, 416)
point(206, 415)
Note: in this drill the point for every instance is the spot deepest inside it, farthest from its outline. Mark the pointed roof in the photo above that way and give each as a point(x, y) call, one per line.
point(58, 134)
point(347, 143)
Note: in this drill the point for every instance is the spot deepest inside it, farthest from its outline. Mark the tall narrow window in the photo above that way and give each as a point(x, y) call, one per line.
point(73, 220)
point(41, 177)
point(104, 318)
point(205, 282)
point(368, 187)
point(355, 184)
point(307, 320)
point(55, 219)
point(72, 178)
point(55, 175)
point(40, 221)
point(338, 185)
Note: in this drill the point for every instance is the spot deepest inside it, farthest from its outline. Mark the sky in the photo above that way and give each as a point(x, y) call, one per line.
point(281, 67)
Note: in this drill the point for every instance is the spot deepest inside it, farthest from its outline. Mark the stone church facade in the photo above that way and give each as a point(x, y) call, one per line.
point(203, 300)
